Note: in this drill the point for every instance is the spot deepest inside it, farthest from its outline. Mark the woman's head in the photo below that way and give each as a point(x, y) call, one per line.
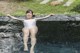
point(29, 14)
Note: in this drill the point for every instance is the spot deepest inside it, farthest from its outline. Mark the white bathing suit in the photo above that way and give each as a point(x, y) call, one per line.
point(29, 23)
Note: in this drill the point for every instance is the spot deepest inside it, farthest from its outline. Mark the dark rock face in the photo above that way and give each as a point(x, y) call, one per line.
point(56, 32)
point(60, 31)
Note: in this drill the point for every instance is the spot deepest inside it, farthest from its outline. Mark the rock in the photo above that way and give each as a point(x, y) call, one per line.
point(60, 17)
point(44, 1)
point(69, 2)
point(6, 45)
point(60, 0)
point(54, 3)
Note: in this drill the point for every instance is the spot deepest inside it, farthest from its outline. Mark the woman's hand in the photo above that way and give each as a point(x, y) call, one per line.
point(8, 15)
point(51, 14)
point(11, 16)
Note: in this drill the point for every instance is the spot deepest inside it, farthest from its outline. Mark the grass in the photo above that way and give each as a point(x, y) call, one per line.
point(1, 14)
point(21, 7)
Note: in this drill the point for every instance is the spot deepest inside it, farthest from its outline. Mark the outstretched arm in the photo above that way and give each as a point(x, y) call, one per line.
point(44, 17)
point(14, 17)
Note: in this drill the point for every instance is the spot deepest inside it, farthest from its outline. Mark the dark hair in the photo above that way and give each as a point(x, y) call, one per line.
point(29, 10)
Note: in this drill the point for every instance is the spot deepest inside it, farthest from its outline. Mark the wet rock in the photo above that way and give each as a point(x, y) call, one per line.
point(59, 17)
point(6, 45)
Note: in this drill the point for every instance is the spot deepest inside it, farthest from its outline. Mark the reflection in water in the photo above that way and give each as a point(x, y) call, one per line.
point(52, 37)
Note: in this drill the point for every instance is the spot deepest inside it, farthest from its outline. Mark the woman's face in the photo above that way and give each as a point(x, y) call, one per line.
point(29, 15)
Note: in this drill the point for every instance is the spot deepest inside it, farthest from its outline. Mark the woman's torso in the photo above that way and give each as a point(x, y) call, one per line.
point(29, 23)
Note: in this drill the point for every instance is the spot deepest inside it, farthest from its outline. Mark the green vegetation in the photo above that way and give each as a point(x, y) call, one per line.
point(21, 7)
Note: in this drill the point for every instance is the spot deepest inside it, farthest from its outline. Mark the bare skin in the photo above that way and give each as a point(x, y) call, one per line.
point(33, 31)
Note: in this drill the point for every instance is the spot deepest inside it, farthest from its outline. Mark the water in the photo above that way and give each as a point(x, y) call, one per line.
point(54, 48)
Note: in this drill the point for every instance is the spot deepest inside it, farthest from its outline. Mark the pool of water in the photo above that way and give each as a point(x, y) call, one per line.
point(54, 48)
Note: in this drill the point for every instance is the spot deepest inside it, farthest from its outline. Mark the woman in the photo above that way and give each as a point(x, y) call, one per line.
point(29, 27)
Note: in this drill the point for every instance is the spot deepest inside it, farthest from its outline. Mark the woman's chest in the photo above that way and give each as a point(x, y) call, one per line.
point(31, 21)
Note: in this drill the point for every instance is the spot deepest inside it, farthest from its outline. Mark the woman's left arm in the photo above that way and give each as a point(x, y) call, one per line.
point(44, 17)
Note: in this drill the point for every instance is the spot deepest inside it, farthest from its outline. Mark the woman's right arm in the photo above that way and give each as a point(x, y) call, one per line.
point(14, 17)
